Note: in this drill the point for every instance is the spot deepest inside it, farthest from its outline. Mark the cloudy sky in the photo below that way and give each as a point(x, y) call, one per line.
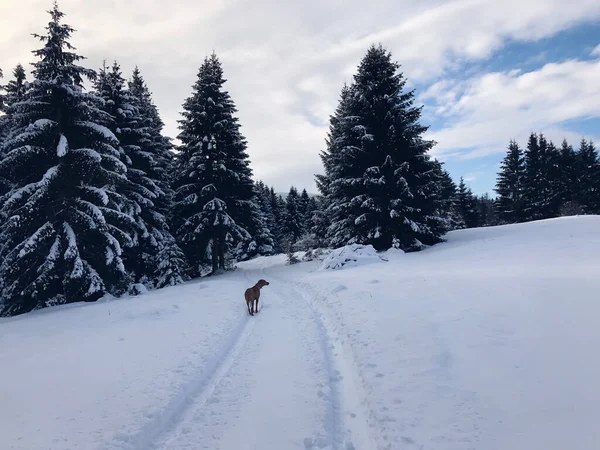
point(487, 71)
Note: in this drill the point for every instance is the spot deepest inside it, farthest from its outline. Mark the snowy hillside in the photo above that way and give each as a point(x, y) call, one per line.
point(488, 341)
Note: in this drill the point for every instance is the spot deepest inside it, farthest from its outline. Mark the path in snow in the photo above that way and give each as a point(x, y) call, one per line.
point(278, 381)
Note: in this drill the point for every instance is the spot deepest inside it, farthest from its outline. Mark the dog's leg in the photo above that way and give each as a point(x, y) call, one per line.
point(249, 305)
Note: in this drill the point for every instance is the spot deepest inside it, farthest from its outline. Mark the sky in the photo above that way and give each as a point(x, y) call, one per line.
point(485, 71)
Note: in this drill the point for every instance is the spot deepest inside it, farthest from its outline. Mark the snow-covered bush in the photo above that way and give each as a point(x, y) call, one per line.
point(351, 256)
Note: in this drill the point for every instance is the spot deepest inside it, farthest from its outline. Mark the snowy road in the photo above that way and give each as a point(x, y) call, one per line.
point(280, 381)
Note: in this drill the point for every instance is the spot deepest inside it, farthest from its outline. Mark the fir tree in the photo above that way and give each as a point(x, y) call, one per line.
point(321, 222)
point(260, 241)
point(381, 182)
point(567, 180)
point(589, 178)
point(486, 211)
point(278, 208)
point(292, 219)
point(158, 164)
point(14, 92)
point(213, 187)
point(449, 200)
point(60, 243)
point(509, 185)
point(264, 237)
point(143, 191)
point(467, 205)
point(540, 194)
point(304, 210)
point(531, 179)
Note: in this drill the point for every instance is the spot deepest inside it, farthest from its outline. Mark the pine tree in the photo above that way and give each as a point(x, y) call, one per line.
point(335, 146)
point(552, 183)
point(304, 211)
point(467, 205)
point(159, 166)
point(260, 241)
point(321, 222)
point(213, 187)
point(292, 219)
point(567, 180)
point(486, 211)
point(382, 184)
point(265, 239)
point(509, 185)
point(278, 208)
point(589, 178)
point(540, 185)
point(143, 190)
point(531, 179)
point(14, 92)
point(449, 199)
point(60, 243)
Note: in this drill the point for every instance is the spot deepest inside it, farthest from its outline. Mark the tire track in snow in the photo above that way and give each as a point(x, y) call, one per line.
point(348, 419)
point(196, 392)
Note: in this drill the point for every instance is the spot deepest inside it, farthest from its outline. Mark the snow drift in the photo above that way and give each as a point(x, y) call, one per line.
point(351, 256)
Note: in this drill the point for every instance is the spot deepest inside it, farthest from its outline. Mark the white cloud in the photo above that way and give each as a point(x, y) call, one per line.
point(596, 51)
point(286, 61)
point(485, 112)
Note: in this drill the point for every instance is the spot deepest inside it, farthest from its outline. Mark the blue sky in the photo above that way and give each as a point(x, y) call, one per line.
point(486, 71)
point(577, 43)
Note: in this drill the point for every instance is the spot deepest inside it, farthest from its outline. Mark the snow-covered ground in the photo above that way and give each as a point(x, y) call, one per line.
point(489, 341)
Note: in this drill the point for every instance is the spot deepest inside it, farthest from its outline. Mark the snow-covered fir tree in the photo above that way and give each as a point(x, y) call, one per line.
point(567, 181)
point(143, 191)
point(382, 186)
point(10, 93)
point(467, 204)
point(486, 211)
point(321, 222)
point(588, 168)
point(304, 210)
point(292, 219)
point(264, 204)
point(213, 186)
point(14, 90)
point(449, 201)
point(159, 166)
point(60, 242)
point(540, 194)
point(261, 241)
point(509, 185)
point(278, 208)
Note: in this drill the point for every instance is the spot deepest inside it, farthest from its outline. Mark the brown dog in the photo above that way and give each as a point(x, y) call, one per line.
point(252, 295)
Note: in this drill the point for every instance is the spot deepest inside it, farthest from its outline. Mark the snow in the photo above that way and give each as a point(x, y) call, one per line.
point(351, 256)
point(63, 146)
point(32, 243)
point(100, 129)
point(44, 123)
point(99, 192)
point(92, 154)
point(487, 341)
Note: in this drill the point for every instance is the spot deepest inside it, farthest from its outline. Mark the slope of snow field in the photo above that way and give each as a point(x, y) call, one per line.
point(488, 341)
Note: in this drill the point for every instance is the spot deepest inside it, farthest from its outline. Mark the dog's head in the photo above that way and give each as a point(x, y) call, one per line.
point(262, 283)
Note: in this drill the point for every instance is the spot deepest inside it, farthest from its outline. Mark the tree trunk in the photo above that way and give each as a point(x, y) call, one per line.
point(221, 251)
point(215, 253)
